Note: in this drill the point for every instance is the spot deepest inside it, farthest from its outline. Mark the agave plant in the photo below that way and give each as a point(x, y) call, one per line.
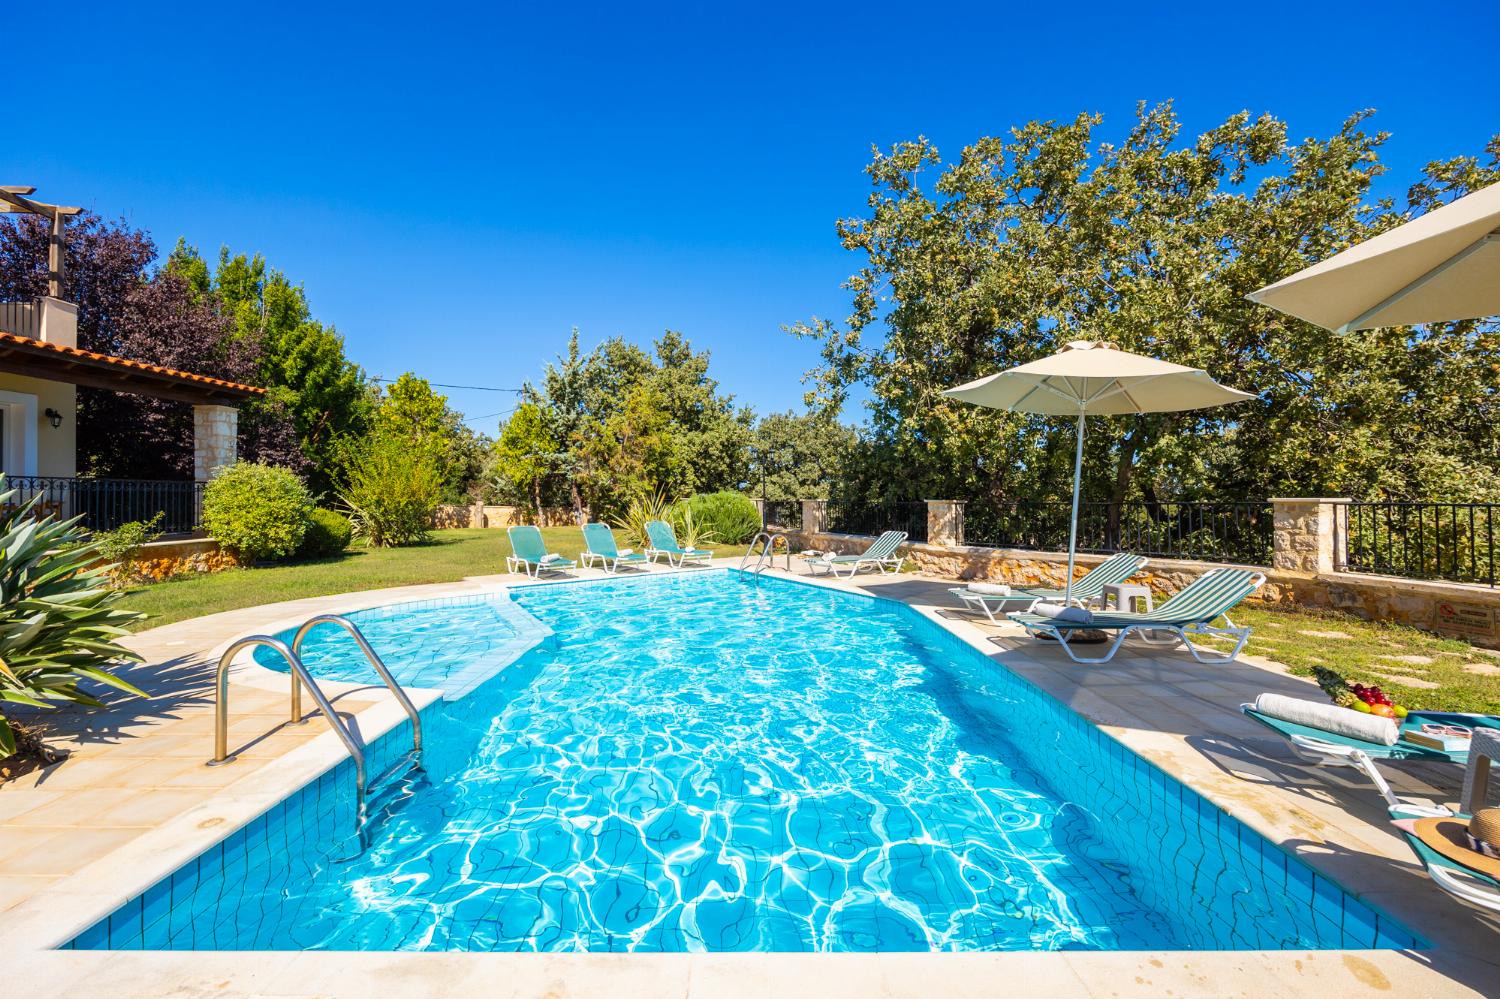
point(643, 508)
point(691, 532)
point(57, 625)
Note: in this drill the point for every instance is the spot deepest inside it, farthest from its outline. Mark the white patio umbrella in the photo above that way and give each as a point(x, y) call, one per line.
point(1439, 267)
point(1095, 379)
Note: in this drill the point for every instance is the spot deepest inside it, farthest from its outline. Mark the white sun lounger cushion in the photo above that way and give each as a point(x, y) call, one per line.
point(990, 589)
point(1076, 615)
point(1329, 718)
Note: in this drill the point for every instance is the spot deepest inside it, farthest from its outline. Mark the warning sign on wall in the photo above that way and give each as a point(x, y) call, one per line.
point(1463, 619)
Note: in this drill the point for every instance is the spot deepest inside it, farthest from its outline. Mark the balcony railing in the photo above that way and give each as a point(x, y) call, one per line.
point(105, 504)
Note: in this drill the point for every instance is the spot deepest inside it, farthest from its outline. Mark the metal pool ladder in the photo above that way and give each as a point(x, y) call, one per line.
point(301, 677)
point(766, 557)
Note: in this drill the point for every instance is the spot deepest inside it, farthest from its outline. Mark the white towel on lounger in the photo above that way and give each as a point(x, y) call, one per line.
point(1072, 615)
point(990, 589)
point(551, 557)
point(1329, 718)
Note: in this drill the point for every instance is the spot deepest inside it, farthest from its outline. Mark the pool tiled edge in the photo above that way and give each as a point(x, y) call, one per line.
point(1462, 962)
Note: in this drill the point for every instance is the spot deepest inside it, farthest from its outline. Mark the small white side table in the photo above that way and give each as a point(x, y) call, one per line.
point(1125, 596)
point(1484, 750)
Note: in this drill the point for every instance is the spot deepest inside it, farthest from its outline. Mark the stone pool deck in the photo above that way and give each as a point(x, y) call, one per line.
point(133, 801)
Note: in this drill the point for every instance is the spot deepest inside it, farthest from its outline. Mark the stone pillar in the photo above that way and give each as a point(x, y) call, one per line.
point(215, 433)
point(1305, 537)
point(814, 516)
point(945, 522)
point(760, 509)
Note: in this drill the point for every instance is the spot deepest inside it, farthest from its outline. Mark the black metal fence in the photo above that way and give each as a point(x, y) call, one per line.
point(105, 504)
point(1454, 541)
point(1240, 532)
point(875, 518)
point(784, 513)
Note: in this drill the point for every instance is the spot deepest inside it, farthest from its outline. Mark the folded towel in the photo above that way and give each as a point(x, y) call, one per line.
point(990, 589)
point(810, 553)
point(1329, 718)
point(551, 557)
point(627, 551)
point(1073, 615)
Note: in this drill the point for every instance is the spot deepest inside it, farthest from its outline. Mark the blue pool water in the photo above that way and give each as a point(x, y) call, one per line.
point(714, 762)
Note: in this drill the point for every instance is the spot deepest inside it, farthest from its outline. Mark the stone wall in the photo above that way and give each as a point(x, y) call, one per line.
point(450, 515)
point(161, 560)
point(1459, 609)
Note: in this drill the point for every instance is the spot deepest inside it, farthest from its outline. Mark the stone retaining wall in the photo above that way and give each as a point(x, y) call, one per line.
point(450, 515)
point(1459, 609)
point(160, 560)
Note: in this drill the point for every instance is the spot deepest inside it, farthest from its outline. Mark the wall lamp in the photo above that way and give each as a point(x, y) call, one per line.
point(54, 417)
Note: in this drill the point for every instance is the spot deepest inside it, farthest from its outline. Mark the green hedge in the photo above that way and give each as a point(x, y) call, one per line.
point(729, 517)
point(328, 534)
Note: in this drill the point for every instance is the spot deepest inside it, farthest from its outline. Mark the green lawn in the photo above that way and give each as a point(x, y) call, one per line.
point(449, 556)
point(1417, 669)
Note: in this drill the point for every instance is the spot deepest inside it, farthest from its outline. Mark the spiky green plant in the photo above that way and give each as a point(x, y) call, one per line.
point(57, 626)
point(643, 508)
point(691, 532)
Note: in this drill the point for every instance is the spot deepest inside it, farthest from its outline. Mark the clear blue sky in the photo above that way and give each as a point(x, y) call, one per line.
point(457, 188)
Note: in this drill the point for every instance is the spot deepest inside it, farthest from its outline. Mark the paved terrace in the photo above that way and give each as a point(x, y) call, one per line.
point(133, 801)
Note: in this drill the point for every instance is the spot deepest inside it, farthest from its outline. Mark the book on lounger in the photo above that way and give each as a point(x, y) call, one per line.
point(1445, 738)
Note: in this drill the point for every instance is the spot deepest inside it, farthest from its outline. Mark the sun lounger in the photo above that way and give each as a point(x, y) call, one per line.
point(664, 543)
point(1318, 745)
point(1457, 879)
point(529, 553)
point(1189, 612)
point(1086, 591)
point(881, 555)
point(599, 546)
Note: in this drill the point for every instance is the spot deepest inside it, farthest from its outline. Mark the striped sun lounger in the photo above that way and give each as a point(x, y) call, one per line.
point(881, 555)
point(1190, 611)
point(1087, 591)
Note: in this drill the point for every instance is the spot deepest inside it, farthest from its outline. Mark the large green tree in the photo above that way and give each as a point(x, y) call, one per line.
point(525, 453)
point(629, 421)
point(1048, 234)
point(302, 362)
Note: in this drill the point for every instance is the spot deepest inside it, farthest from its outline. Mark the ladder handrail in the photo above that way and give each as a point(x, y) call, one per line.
point(299, 672)
point(375, 661)
point(767, 556)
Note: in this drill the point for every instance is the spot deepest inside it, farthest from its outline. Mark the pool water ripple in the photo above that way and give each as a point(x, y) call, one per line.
point(714, 762)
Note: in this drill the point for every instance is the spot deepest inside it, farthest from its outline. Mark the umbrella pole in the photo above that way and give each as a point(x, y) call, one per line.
point(1073, 528)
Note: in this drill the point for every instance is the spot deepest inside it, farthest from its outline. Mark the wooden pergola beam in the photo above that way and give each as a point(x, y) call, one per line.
point(13, 199)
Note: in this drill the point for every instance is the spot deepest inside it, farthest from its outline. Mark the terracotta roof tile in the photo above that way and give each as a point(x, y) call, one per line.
point(125, 362)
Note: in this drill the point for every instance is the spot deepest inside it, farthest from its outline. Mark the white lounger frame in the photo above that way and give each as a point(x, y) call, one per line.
point(892, 564)
point(611, 563)
point(1179, 633)
point(514, 563)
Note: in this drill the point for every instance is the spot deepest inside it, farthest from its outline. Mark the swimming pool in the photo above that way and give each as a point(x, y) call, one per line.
point(711, 761)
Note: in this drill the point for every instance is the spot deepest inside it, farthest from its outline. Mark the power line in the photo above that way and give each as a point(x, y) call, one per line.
point(490, 416)
point(469, 388)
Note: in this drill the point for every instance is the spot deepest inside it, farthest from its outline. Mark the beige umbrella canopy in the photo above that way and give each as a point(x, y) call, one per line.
point(1440, 267)
point(1095, 379)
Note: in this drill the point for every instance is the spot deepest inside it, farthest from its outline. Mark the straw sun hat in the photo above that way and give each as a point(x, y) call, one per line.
point(1456, 840)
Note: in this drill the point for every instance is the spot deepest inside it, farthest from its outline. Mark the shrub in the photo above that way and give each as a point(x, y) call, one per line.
point(328, 534)
point(729, 516)
point(119, 547)
point(55, 615)
point(391, 490)
point(257, 511)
